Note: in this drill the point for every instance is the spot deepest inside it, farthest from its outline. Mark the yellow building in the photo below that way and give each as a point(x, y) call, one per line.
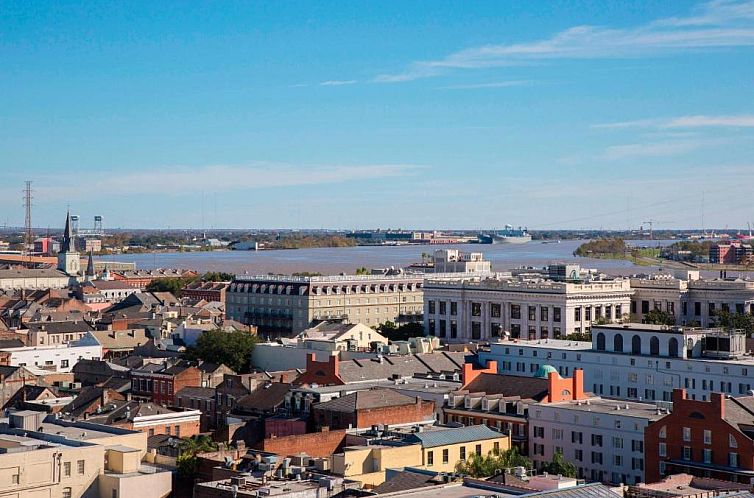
point(437, 449)
point(56, 459)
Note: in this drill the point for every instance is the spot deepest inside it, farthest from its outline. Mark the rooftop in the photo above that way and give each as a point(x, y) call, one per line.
point(447, 436)
point(649, 411)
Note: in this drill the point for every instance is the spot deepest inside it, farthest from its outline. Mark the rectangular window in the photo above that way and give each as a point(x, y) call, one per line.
point(707, 455)
point(556, 314)
point(577, 314)
point(80, 465)
point(445, 456)
point(462, 453)
point(687, 433)
point(532, 313)
point(687, 452)
point(596, 440)
point(431, 307)
point(663, 450)
point(544, 313)
point(443, 307)
point(479, 449)
point(430, 458)
point(495, 310)
point(476, 330)
point(67, 469)
point(476, 309)
point(707, 436)
point(453, 308)
point(515, 311)
point(732, 459)
point(67, 493)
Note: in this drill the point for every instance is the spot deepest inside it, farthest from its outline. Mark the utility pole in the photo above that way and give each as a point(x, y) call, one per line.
point(28, 233)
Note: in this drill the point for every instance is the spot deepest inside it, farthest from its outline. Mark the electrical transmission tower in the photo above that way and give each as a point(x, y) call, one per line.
point(28, 232)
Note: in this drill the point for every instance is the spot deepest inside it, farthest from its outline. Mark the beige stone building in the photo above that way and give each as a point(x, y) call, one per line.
point(690, 298)
point(480, 308)
point(55, 459)
point(287, 305)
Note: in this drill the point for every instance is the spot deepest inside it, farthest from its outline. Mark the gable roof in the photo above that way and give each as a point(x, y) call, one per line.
point(65, 327)
point(509, 385)
point(265, 398)
point(366, 400)
point(445, 437)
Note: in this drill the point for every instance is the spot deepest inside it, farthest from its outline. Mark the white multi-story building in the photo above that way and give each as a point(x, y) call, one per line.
point(638, 361)
point(689, 298)
point(455, 261)
point(523, 306)
point(58, 358)
point(603, 438)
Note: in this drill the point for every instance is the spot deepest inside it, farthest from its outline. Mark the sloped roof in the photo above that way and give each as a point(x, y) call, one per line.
point(264, 398)
point(197, 392)
point(366, 400)
point(405, 481)
point(121, 339)
point(445, 437)
point(509, 385)
point(66, 327)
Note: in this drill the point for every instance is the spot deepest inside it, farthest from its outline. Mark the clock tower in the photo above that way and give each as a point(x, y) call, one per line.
point(69, 260)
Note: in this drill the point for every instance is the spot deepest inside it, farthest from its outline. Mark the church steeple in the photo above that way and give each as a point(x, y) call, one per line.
point(68, 258)
point(90, 267)
point(67, 245)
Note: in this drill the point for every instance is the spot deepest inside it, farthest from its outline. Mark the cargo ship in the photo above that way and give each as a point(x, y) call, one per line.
point(509, 235)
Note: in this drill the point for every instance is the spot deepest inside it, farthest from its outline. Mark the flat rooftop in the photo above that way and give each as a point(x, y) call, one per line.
point(649, 411)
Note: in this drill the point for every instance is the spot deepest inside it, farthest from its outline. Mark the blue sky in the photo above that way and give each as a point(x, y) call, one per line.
point(564, 114)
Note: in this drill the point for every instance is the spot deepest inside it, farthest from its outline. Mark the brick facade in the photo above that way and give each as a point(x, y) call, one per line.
point(323, 373)
point(696, 430)
point(317, 444)
point(161, 387)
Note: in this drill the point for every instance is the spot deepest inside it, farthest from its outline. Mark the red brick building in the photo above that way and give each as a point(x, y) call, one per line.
point(363, 409)
point(712, 438)
point(209, 291)
point(141, 278)
point(160, 383)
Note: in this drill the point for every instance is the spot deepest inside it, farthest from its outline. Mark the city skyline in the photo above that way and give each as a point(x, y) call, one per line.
point(551, 116)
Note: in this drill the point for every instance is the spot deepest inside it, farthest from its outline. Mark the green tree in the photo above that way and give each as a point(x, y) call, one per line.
point(187, 461)
point(217, 276)
point(232, 349)
point(495, 462)
point(735, 321)
point(362, 271)
point(402, 332)
point(172, 285)
point(659, 317)
point(560, 466)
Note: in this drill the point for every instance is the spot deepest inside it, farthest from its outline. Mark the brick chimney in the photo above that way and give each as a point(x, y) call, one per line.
point(470, 373)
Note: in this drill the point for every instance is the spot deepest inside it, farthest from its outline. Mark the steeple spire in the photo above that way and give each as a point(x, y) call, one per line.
point(67, 245)
point(90, 267)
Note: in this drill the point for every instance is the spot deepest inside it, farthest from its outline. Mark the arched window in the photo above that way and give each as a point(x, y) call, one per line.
point(618, 343)
point(600, 342)
point(636, 345)
point(654, 346)
point(673, 348)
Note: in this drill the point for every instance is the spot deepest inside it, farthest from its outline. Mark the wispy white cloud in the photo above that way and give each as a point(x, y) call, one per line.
point(338, 82)
point(715, 24)
point(183, 180)
point(497, 84)
point(699, 121)
point(657, 149)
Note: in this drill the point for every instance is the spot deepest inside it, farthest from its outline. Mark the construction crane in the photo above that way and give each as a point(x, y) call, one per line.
point(651, 224)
